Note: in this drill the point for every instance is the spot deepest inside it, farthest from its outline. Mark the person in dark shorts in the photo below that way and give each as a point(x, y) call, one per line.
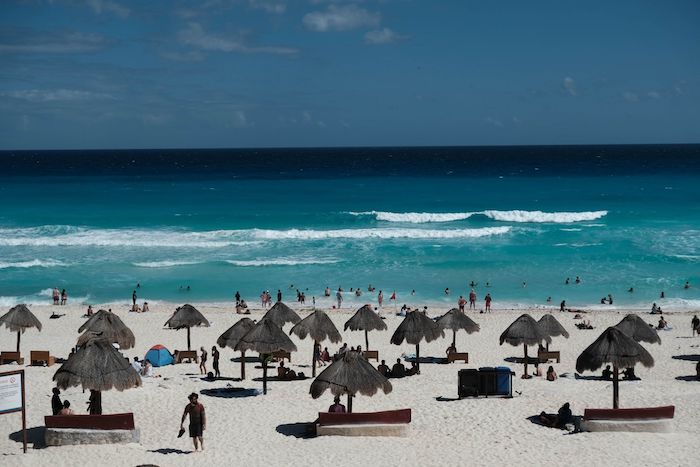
point(203, 361)
point(215, 361)
point(198, 421)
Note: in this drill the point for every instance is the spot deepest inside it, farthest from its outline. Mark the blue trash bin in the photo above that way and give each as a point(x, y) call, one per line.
point(503, 381)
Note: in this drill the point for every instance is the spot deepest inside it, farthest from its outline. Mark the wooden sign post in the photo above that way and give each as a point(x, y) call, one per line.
point(12, 398)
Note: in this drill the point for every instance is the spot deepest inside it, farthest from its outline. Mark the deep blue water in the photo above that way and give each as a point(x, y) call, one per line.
point(98, 222)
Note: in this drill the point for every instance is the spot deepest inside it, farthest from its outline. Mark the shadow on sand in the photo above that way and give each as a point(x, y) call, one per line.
point(35, 437)
point(689, 357)
point(169, 451)
point(302, 430)
point(688, 378)
point(230, 393)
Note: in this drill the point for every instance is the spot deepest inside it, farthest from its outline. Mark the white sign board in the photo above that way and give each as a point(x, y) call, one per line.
point(10, 393)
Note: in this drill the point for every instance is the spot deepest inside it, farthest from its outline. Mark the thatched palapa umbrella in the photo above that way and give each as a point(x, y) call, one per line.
point(97, 366)
point(107, 325)
point(552, 327)
point(281, 314)
point(414, 328)
point(456, 320)
point(636, 328)
point(320, 327)
point(525, 331)
point(265, 337)
point(619, 350)
point(187, 316)
point(349, 375)
point(18, 319)
point(233, 335)
point(365, 319)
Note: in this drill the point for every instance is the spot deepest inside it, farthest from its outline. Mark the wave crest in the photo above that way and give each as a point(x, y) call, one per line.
point(281, 262)
point(35, 263)
point(297, 234)
point(504, 216)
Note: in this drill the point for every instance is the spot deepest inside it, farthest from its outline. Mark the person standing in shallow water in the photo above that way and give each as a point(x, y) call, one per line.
point(198, 421)
point(487, 300)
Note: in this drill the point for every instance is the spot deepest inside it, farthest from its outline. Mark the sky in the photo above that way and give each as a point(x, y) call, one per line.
point(78, 74)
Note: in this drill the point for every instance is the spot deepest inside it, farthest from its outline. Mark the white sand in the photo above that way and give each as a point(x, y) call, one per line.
point(243, 431)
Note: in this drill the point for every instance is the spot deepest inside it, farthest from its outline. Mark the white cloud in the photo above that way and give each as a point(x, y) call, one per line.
point(382, 36)
point(239, 119)
point(155, 119)
point(275, 7)
point(494, 121)
point(654, 95)
point(191, 56)
point(40, 95)
point(630, 96)
point(107, 6)
point(195, 36)
point(62, 43)
point(341, 18)
point(570, 86)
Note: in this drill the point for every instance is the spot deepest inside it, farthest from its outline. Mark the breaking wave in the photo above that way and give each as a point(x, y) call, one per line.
point(505, 216)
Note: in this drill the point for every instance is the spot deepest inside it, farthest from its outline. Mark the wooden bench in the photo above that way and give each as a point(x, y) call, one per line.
point(386, 423)
point(117, 421)
point(41, 357)
point(545, 356)
point(10, 357)
point(454, 356)
point(281, 355)
point(181, 355)
point(643, 419)
point(371, 354)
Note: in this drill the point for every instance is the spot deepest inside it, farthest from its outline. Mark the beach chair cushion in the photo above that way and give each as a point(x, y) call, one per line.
point(118, 421)
point(41, 357)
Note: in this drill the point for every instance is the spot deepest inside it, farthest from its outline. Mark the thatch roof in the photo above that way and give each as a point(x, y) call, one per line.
point(552, 327)
point(349, 375)
point(456, 320)
point(416, 327)
point(94, 316)
point(616, 348)
point(110, 326)
point(281, 314)
point(266, 337)
point(524, 330)
point(365, 319)
point(317, 325)
point(232, 335)
point(186, 316)
point(20, 318)
point(635, 327)
point(99, 366)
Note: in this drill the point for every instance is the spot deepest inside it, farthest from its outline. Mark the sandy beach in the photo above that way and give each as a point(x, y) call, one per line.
point(258, 430)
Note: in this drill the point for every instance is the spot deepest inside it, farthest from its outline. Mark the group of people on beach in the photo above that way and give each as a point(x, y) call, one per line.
point(59, 298)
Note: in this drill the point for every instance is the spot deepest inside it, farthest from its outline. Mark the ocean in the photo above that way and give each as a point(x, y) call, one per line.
point(517, 221)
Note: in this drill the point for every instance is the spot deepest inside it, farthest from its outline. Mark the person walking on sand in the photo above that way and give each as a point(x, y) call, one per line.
point(215, 361)
point(339, 297)
point(488, 302)
point(695, 324)
point(461, 303)
point(198, 421)
point(203, 361)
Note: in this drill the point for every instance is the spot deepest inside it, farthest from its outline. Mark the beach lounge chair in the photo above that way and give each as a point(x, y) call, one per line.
point(456, 356)
point(182, 355)
point(281, 355)
point(644, 419)
point(41, 357)
point(90, 429)
point(11, 357)
point(386, 423)
point(371, 354)
point(546, 355)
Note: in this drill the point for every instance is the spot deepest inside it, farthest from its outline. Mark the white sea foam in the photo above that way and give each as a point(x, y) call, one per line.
point(297, 234)
point(570, 230)
point(48, 263)
point(282, 262)
point(505, 216)
point(43, 297)
point(548, 217)
point(165, 264)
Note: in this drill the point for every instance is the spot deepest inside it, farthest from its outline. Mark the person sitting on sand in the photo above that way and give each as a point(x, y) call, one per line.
point(66, 410)
point(560, 420)
point(56, 404)
point(136, 365)
point(383, 368)
point(337, 407)
point(551, 374)
point(628, 374)
point(89, 311)
point(145, 307)
point(607, 373)
point(695, 325)
point(285, 373)
point(662, 323)
point(413, 370)
point(325, 356)
point(451, 349)
point(398, 370)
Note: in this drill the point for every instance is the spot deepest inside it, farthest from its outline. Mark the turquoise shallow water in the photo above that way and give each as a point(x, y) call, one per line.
point(99, 235)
